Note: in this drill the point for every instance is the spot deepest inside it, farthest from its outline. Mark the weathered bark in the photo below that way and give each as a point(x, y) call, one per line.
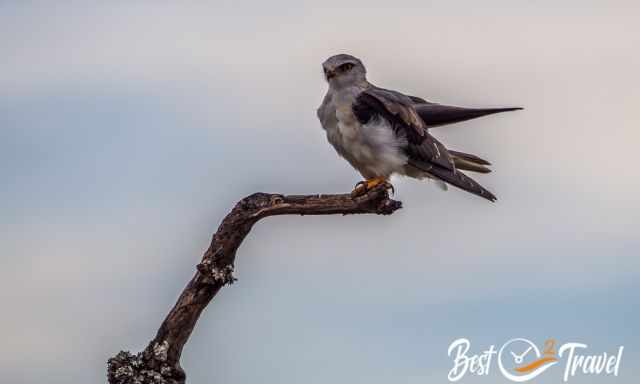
point(160, 361)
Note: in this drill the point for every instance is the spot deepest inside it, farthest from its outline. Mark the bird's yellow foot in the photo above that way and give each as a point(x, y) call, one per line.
point(365, 186)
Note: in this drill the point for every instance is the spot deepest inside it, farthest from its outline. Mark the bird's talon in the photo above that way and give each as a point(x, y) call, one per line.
point(390, 187)
point(387, 186)
point(362, 187)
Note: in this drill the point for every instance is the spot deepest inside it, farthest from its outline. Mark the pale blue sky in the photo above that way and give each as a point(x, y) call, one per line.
point(128, 131)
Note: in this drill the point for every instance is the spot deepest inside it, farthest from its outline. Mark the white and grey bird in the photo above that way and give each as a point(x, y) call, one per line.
point(382, 132)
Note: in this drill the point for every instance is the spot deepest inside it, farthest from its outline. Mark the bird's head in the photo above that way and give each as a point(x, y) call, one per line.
point(344, 70)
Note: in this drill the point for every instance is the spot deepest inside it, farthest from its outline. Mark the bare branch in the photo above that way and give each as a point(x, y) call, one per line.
point(159, 363)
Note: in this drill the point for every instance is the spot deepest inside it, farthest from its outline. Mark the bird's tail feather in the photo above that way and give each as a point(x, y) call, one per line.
point(462, 181)
point(437, 114)
point(469, 162)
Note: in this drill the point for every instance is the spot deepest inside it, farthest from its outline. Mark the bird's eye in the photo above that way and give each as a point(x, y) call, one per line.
point(346, 66)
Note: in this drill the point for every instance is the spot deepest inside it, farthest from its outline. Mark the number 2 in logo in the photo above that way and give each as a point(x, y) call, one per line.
point(549, 346)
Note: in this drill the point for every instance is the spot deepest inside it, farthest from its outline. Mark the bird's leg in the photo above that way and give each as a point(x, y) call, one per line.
point(365, 186)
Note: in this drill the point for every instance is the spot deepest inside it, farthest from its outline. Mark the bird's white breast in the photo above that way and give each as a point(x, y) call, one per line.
point(373, 148)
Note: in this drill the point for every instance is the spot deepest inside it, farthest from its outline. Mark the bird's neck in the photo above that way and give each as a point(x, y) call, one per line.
point(351, 87)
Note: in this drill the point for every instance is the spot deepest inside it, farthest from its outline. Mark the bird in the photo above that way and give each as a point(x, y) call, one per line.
point(382, 132)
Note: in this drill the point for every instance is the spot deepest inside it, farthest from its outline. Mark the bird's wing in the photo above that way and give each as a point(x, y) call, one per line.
point(418, 100)
point(398, 110)
point(434, 114)
point(424, 151)
point(394, 107)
